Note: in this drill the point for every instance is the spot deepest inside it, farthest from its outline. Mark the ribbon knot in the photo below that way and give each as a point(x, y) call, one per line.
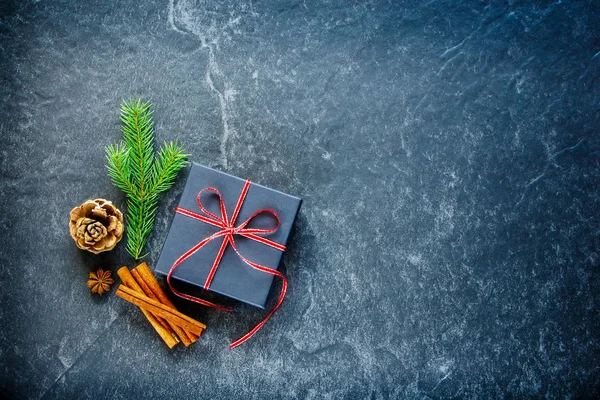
point(228, 230)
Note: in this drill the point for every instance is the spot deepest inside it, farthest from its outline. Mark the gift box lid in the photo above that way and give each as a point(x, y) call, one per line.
point(233, 278)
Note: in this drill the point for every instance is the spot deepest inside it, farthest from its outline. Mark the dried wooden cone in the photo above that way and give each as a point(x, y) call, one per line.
point(96, 225)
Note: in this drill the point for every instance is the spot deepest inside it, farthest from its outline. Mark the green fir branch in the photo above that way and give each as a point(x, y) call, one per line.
point(171, 158)
point(117, 158)
point(133, 168)
point(138, 134)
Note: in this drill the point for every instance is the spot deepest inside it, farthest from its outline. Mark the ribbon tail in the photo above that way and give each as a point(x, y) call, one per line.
point(187, 254)
point(279, 301)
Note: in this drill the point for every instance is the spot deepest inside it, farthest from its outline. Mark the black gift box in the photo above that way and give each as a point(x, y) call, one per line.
point(233, 278)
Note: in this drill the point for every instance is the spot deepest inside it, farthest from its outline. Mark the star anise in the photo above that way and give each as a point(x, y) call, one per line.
point(100, 281)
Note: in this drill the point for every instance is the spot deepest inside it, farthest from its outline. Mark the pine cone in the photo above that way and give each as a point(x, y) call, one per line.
point(96, 225)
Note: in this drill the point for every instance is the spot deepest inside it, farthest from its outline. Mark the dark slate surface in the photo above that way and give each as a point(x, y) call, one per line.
point(447, 152)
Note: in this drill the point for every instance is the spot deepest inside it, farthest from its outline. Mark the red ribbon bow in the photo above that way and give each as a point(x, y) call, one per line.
point(228, 230)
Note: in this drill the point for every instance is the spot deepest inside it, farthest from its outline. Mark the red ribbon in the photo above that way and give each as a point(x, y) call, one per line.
point(228, 230)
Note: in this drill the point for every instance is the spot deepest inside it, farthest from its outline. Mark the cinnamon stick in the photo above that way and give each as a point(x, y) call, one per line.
point(159, 309)
point(148, 291)
point(129, 281)
point(167, 335)
point(146, 275)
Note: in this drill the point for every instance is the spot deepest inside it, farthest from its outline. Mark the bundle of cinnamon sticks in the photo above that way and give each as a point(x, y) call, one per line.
point(141, 288)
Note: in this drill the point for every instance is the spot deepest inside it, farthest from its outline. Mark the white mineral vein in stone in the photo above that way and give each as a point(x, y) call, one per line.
point(202, 33)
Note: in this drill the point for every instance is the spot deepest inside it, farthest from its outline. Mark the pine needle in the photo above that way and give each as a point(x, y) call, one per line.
point(133, 168)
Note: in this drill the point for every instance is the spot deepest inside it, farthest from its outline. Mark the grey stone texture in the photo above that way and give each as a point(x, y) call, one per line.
point(447, 153)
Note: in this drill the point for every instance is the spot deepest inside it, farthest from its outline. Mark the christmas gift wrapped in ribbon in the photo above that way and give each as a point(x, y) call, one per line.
point(232, 253)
